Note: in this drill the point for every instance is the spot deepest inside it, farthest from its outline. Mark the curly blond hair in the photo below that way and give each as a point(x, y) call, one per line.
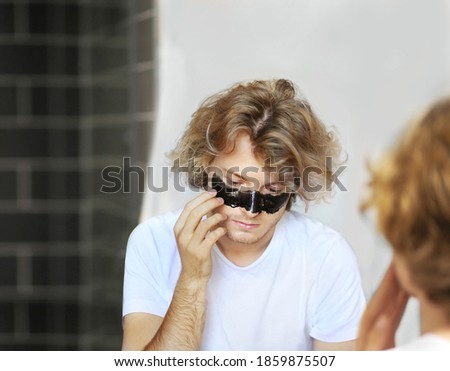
point(410, 190)
point(282, 127)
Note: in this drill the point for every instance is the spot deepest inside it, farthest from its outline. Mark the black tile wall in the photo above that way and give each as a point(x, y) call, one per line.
point(39, 22)
point(32, 59)
point(38, 227)
point(7, 321)
point(8, 185)
point(25, 347)
point(63, 227)
point(110, 100)
point(24, 227)
point(6, 18)
point(62, 60)
point(55, 19)
point(38, 317)
point(55, 184)
point(104, 16)
point(145, 92)
point(66, 80)
point(110, 140)
point(57, 318)
point(106, 58)
point(108, 226)
point(23, 59)
point(8, 104)
point(56, 270)
point(55, 101)
point(8, 271)
point(38, 142)
point(145, 36)
point(144, 5)
point(107, 314)
point(23, 143)
point(107, 184)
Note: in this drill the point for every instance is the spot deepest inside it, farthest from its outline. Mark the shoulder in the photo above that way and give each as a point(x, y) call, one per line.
point(325, 249)
point(156, 232)
point(312, 233)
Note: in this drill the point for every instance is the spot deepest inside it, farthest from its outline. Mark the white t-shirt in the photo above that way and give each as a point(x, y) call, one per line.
point(426, 342)
point(305, 285)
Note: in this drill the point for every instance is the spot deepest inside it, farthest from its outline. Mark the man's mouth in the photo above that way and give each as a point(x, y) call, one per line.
point(245, 225)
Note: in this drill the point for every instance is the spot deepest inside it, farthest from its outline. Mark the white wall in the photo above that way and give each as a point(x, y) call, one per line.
point(365, 66)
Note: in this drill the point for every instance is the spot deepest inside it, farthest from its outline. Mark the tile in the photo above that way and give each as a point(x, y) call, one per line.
point(23, 59)
point(7, 315)
point(8, 185)
point(39, 317)
point(38, 18)
point(104, 16)
point(39, 227)
point(110, 141)
point(8, 101)
point(145, 90)
point(55, 185)
point(143, 5)
point(45, 18)
point(146, 40)
point(23, 142)
point(105, 58)
point(28, 142)
point(8, 271)
point(55, 101)
point(6, 18)
point(56, 270)
point(52, 317)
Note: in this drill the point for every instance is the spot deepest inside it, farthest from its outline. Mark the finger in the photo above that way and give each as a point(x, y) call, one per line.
point(383, 314)
point(383, 333)
point(375, 305)
point(399, 309)
point(205, 226)
point(204, 196)
point(387, 291)
point(195, 216)
point(212, 237)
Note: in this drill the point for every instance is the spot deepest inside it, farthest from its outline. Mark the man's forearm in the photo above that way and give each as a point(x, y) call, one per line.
point(182, 327)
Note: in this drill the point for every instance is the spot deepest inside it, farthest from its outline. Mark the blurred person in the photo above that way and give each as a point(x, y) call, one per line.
point(237, 268)
point(410, 192)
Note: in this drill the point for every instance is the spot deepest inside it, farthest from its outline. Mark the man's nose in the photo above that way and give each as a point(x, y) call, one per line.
point(254, 207)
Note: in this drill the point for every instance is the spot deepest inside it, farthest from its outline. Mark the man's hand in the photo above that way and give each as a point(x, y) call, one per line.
point(182, 326)
point(382, 315)
point(197, 234)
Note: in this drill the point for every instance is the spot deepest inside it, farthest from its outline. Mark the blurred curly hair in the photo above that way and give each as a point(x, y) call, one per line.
point(410, 191)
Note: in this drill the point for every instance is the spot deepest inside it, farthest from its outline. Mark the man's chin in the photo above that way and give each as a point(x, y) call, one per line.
point(242, 237)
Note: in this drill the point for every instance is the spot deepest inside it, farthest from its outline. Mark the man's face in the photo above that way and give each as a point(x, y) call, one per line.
point(240, 169)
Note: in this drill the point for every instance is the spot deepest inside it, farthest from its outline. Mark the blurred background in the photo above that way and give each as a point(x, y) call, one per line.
point(87, 84)
point(76, 95)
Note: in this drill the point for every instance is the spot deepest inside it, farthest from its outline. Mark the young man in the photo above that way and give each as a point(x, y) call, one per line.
point(411, 193)
point(236, 269)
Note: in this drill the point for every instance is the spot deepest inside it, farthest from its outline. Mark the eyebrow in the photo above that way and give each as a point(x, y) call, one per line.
point(226, 172)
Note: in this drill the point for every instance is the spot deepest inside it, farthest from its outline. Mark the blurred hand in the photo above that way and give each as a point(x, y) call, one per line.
point(383, 314)
point(196, 235)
